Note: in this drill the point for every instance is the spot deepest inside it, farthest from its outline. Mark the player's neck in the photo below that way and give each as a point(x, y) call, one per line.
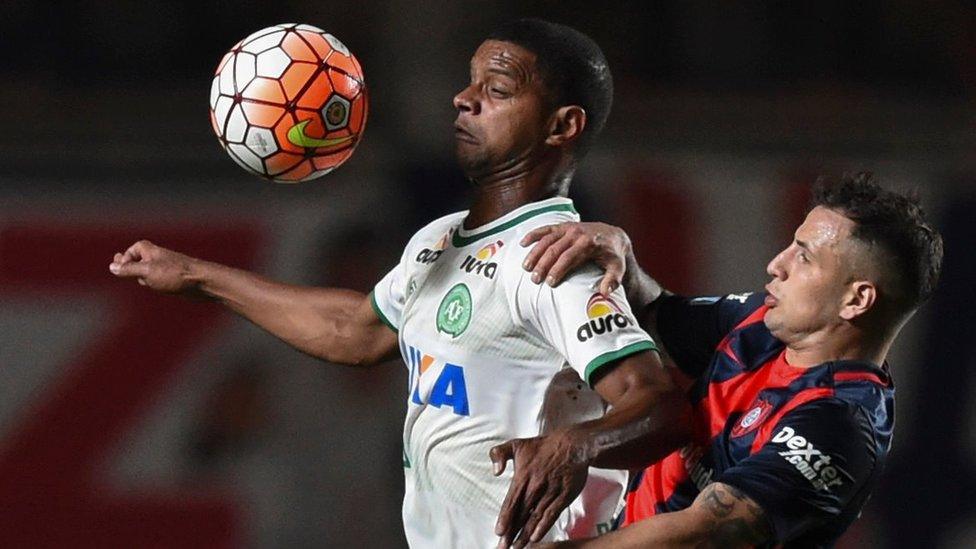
point(841, 344)
point(497, 196)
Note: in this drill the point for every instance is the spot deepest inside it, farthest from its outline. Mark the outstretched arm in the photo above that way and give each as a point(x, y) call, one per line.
point(332, 324)
point(721, 516)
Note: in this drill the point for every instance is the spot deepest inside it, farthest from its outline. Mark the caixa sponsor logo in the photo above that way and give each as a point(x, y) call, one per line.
point(479, 262)
point(604, 317)
point(448, 389)
point(814, 465)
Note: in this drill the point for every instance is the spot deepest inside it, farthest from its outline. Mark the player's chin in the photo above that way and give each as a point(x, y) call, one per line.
point(472, 163)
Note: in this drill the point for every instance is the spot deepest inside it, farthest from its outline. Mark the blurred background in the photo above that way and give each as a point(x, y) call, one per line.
point(134, 420)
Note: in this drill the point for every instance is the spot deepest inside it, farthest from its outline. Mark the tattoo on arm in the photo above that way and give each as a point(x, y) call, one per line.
point(736, 519)
point(717, 501)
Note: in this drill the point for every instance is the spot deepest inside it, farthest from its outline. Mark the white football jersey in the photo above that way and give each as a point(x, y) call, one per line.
point(493, 356)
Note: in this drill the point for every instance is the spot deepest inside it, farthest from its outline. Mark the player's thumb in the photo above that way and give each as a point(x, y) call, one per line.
point(500, 455)
point(129, 270)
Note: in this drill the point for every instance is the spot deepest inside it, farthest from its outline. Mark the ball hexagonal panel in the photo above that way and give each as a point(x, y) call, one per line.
point(337, 45)
point(335, 112)
point(272, 63)
point(236, 126)
point(244, 70)
point(265, 42)
point(261, 141)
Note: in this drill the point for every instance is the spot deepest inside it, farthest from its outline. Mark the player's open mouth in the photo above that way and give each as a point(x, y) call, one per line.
point(771, 300)
point(463, 135)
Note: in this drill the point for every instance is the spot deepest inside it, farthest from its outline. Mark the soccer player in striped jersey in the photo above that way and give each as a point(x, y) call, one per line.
point(793, 399)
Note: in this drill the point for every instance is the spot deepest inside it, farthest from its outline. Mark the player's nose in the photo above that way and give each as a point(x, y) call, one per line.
point(465, 101)
point(776, 268)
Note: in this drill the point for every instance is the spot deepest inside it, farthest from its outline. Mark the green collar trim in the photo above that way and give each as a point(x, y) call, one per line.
point(461, 241)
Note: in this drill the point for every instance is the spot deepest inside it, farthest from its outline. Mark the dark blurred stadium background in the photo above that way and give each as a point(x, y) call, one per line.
point(132, 420)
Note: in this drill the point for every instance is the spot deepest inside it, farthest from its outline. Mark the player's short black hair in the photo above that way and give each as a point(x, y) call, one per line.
point(893, 223)
point(572, 66)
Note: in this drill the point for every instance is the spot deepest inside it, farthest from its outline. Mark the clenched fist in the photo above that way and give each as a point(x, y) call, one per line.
point(158, 268)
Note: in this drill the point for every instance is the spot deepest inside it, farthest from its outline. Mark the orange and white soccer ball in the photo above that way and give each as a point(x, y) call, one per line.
point(289, 103)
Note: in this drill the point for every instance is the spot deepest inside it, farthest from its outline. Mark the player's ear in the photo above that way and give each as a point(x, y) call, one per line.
point(565, 125)
point(860, 297)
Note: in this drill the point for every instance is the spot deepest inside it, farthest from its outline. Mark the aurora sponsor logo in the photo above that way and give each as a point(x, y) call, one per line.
point(430, 255)
point(604, 317)
point(480, 263)
point(813, 464)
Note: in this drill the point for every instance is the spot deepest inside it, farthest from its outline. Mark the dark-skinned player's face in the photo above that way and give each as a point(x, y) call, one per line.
point(503, 112)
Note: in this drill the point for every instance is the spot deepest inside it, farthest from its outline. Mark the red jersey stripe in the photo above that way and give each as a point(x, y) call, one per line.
point(801, 398)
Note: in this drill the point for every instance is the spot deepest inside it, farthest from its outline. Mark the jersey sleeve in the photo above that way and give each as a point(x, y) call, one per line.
point(390, 294)
point(691, 327)
point(590, 331)
point(821, 456)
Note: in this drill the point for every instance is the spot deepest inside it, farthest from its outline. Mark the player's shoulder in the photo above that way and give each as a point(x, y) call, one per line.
point(548, 212)
point(540, 214)
point(841, 421)
point(436, 235)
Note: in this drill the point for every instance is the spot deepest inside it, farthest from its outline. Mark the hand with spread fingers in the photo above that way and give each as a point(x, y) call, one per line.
point(559, 249)
point(549, 474)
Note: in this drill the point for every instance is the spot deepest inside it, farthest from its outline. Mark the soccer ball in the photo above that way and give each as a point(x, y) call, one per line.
point(289, 103)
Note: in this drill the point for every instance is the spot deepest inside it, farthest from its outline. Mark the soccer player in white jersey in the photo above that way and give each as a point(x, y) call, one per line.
point(494, 360)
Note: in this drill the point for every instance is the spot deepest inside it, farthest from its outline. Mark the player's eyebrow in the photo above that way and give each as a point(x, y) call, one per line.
point(803, 245)
point(506, 65)
point(504, 71)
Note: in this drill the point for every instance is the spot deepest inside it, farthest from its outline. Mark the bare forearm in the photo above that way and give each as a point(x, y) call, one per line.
point(648, 421)
point(317, 321)
point(720, 517)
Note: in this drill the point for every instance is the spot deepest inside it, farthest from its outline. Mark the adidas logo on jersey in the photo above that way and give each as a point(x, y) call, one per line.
point(809, 461)
point(479, 264)
point(604, 315)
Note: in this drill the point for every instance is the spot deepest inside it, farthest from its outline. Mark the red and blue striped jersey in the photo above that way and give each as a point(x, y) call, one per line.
point(806, 444)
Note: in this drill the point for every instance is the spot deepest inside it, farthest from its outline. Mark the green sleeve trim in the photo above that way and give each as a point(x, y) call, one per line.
point(607, 358)
point(379, 313)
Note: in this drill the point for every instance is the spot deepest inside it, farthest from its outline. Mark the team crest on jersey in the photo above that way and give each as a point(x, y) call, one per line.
point(604, 316)
point(480, 263)
point(454, 312)
point(430, 255)
point(753, 418)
